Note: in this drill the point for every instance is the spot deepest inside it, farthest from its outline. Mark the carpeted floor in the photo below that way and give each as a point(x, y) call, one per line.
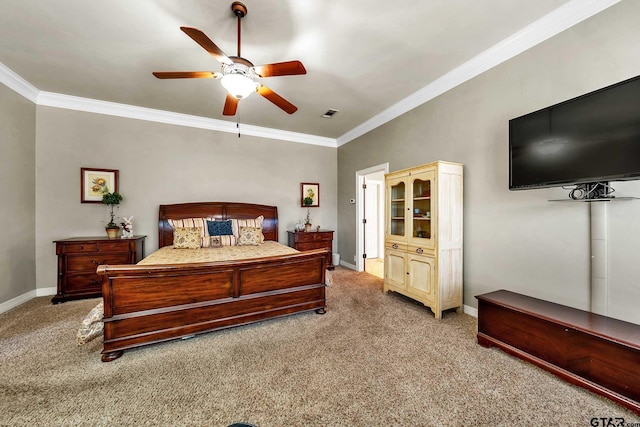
point(372, 360)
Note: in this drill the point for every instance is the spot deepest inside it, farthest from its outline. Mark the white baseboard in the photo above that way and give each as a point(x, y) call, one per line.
point(14, 302)
point(45, 292)
point(21, 299)
point(470, 311)
point(346, 264)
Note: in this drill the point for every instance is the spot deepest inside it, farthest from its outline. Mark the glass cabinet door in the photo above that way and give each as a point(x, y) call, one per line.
point(397, 208)
point(422, 214)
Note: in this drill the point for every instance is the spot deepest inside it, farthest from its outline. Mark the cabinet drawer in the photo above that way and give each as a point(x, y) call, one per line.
point(395, 246)
point(312, 237)
point(74, 248)
point(310, 245)
point(91, 262)
point(83, 283)
point(420, 250)
point(114, 246)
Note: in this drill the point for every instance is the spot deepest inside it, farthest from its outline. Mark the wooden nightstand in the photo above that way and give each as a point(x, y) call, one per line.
point(79, 257)
point(304, 241)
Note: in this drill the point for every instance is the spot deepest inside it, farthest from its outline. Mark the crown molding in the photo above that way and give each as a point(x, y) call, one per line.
point(17, 83)
point(49, 99)
point(562, 18)
point(69, 102)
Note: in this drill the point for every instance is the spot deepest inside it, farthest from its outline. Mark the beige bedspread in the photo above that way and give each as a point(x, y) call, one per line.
point(169, 255)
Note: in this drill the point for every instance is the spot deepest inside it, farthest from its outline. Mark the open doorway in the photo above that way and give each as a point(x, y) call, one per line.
point(370, 221)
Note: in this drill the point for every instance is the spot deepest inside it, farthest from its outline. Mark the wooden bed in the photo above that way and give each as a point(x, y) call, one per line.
point(146, 304)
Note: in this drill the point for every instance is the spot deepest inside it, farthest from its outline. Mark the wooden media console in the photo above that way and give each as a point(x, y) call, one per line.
point(596, 352)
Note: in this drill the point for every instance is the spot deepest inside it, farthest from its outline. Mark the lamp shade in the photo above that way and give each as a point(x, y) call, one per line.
point(238, 85)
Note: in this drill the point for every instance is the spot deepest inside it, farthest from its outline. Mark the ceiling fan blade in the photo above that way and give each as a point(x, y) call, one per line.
point(230, 105)
point(187, 74)
point(288, 68)
point(277, 99)
point(204, 41)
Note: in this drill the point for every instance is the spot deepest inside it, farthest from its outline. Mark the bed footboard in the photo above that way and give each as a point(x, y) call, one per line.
point(150, 304)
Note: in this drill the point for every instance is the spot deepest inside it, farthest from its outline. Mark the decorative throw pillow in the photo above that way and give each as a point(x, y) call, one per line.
point(215, 242)
point(200, 223)
point(223, 241)
point(187, 238)
point(257, 223)
point(220, 228)
point(250, 236)
point(92, 325)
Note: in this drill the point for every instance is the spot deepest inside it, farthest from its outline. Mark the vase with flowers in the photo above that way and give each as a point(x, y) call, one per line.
point(112, 200)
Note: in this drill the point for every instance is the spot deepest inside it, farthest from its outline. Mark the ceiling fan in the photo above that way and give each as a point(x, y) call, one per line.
point(239, 76)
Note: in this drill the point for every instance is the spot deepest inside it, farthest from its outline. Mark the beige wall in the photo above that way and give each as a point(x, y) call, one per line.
point(17, 194)
point(160, 164)
point(518, 240)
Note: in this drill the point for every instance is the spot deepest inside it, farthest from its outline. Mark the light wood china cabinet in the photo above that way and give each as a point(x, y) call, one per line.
point(423, 235)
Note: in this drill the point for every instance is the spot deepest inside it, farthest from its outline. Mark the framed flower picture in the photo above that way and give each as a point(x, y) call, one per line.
point(94, 183)
point(310, 195)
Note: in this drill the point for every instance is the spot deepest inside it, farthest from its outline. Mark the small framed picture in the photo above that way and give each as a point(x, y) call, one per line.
point(94, 183)
point(310, 195)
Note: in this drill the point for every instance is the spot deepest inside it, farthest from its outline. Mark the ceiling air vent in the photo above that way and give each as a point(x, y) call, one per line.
point(330, 112)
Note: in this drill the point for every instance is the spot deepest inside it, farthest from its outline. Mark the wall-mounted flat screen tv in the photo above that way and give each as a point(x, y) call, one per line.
point(591, 138)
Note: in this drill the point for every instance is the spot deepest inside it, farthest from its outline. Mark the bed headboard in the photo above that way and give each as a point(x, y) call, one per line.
point(219, 211)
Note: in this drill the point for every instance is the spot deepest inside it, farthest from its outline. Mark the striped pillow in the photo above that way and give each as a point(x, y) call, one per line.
point(255, 223)
point(224, 241)
point(200, 223)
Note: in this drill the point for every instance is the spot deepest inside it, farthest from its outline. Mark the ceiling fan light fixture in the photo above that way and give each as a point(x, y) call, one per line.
point(238, 85)
point(239, 76)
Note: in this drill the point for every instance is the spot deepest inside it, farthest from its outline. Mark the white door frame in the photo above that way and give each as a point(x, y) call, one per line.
point(384, 167)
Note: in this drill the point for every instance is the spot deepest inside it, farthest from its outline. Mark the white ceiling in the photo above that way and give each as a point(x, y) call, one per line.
point(363, 57)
